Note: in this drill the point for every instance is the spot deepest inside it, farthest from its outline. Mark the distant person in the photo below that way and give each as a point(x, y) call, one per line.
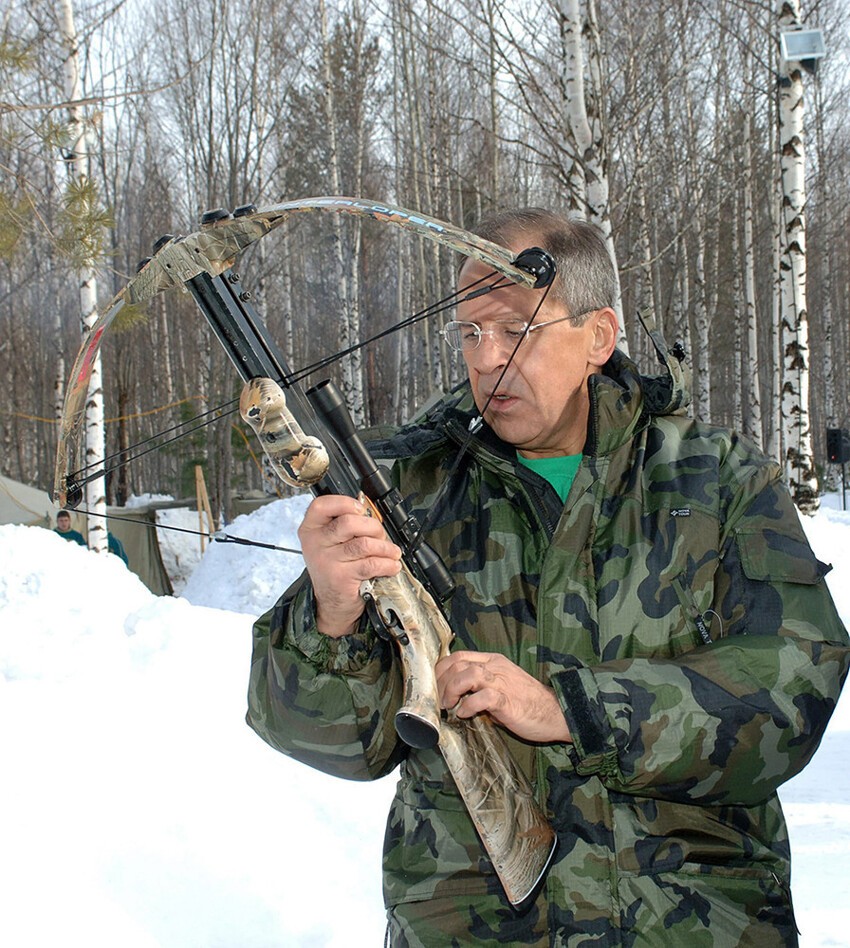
point(63, 528)
point(117, 547)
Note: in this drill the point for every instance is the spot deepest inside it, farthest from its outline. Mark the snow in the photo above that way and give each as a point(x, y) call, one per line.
point(137, 808)
point(227, 578)
point(181, 554)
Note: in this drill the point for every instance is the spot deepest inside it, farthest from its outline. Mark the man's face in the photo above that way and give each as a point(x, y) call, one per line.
point(541, 405)
point(63, 523)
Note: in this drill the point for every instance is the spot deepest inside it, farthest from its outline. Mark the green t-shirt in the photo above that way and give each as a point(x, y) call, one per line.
point(560, 472)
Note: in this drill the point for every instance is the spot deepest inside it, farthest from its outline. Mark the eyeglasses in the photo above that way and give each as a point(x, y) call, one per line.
point(463, 336)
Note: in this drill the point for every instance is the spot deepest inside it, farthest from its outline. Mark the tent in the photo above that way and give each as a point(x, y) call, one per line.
point(20, 503)
point(30, 506)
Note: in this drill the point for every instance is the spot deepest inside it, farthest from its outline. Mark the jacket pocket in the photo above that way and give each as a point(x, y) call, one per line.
point(745, 907)
point(431, 842)
point(773, 557)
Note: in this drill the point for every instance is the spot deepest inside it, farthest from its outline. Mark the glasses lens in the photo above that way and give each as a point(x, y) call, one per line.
point(461, 336)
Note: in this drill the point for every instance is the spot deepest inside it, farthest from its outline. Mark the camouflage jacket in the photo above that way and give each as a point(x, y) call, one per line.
point(674, 605)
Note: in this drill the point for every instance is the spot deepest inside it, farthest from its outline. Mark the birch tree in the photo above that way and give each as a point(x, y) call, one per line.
point(83, 204)
point(799, 459)
point(753, 418)
point(580, 31)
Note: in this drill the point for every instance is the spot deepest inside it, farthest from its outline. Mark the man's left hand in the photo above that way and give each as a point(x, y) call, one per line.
point(472, 682)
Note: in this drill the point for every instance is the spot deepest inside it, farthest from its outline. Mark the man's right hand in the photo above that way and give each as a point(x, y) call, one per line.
point(342, 546)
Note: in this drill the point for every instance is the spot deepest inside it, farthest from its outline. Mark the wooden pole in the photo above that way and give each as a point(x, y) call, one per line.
point(203, 506)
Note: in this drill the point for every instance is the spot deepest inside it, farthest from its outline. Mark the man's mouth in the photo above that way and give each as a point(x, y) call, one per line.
point(500, 399)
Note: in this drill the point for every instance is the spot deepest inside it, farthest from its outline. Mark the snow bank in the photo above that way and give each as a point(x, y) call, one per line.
point(251, 579)
point(137, 807)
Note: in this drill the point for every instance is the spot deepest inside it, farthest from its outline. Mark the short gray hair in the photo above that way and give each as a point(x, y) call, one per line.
point(585, 279)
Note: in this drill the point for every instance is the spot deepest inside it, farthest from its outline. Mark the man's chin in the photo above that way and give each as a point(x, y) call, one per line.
point(508, 429)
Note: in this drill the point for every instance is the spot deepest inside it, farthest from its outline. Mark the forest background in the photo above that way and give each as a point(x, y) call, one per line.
point(660, 120)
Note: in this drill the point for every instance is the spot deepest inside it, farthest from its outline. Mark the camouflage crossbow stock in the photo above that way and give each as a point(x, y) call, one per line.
point(310, 441)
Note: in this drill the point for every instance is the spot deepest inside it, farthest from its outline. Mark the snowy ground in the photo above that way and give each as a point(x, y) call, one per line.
point(137, 809)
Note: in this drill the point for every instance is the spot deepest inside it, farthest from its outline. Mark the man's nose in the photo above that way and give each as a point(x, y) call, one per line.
point(490, 354)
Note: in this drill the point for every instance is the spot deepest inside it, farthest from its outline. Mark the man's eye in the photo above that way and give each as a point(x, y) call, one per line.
point(470, 332)
point(513, 330)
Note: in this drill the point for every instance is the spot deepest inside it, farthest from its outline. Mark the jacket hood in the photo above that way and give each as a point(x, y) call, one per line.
point(622, 401)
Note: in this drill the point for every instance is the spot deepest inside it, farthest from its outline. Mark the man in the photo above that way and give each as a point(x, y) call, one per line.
point(637, 607)
point(63, 528)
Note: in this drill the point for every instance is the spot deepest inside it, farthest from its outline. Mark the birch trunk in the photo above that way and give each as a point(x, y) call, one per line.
point(77, 162)
point(587, 128)
point(753, 418)
point(738, 309)
point(420, 350)
point(348, 314)
point(58, 364)
point(400, 394)
point(646, 299)
point(702, 328)
point(433, 342)
point(796, 419)
point(826, 263)
point(357, 394)
point(493, 106)
point(774, 443)
point(695, 188)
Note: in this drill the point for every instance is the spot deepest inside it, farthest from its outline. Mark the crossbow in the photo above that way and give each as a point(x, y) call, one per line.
point(310, 441)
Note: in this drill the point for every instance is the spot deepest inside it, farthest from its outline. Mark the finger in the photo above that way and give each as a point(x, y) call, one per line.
point(462, 655)
point(452, 664)
point(460, 680)
point(320, 531)
point(348, 528)
point(476, 702)
point(460, 661)
point(328, 506)
point(368, 559)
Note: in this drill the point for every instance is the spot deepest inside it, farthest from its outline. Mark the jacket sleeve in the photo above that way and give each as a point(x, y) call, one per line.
point(728, 722)
point(329, 703)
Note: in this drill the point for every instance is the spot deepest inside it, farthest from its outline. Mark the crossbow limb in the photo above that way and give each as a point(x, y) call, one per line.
point(212, 250)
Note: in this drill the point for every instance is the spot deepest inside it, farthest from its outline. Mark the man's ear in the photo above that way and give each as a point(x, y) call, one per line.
point(604, 338)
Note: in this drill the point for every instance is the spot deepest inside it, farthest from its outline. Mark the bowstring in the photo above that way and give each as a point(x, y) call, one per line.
point(220, 411)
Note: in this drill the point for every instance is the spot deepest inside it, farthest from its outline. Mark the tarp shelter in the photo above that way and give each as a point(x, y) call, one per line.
point(248, 502)
point(20, 503)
